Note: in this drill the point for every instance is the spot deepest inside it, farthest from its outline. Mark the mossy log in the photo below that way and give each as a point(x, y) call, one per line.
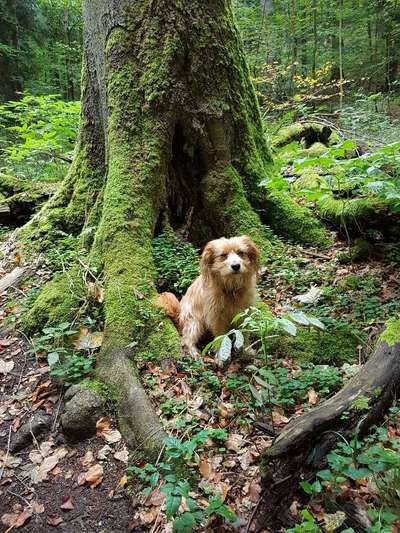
point(300, 449)
point(20, 198)
point(308, 132)
point(170, 131)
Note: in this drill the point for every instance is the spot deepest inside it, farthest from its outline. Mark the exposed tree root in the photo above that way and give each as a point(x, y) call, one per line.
point(300, 450)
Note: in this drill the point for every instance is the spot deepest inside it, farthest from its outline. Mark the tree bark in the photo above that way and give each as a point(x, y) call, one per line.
point(170, 127)
point(301, 448)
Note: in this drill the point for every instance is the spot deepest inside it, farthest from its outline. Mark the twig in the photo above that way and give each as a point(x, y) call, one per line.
point(316, 254)
point(7, 452)
point(28, 503)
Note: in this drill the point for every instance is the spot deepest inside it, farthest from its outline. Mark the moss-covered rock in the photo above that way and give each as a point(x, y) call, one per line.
point(331, 347)
point(58, 301)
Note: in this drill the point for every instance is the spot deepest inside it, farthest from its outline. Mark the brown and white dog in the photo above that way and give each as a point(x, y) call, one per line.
point(226, 286)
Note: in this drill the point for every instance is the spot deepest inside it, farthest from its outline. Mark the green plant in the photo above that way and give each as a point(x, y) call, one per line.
point(69, 366)
point(176, 261)
point(166, 476)
point(308, 524)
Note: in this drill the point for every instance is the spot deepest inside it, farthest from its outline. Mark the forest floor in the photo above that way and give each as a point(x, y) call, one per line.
point(52, 483)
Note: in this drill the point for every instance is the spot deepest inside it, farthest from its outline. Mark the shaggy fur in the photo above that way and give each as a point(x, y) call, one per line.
point(225, 287)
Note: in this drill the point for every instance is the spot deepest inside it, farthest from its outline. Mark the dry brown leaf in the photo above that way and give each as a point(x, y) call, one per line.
point(226, 410)
point(279, 418)
point(147, 517)
point(103, 429)
point(96, 292)
point(247, 459)
point(313, 397)
point(205, 469)
point(86, 340)
point(122, 455)
point(54, 520)
point(22, 518)
point(87, 459)
point(254, 491)
point(67, 504)
point(6, 366)
point(37, 507)
point(294, 508)
point(40, 473)
point(123, 482)
point(94, 476)
point(234, 442)
point(81, 479)
point(103, 452)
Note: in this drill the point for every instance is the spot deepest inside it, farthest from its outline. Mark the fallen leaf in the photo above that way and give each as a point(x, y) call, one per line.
point(254, 491)
point(102, 454)
point(205, 469)
point(310, 297)
point(87, 459)
point(86, 340)
point(103, 429)
point(123, 482)
point(37, 507)
point(313, 397)
point(8, 342)
point(81, 479)
point(234, 442)
point(94, 476)
point(147, 517)
point(54, 520)
point(40, 473)
point(67, 504)
point(156, 498)
point(122, 455)
point(279, 419)
point(6, 366)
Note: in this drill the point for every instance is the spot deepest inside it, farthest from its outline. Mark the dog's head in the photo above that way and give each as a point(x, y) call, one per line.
point(231, 260)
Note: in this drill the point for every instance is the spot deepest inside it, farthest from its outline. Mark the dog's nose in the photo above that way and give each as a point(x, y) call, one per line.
point(235, 267)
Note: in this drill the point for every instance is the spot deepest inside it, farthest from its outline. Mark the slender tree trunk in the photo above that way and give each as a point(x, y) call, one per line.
point(315, 38)
point(170, 134)
point(341, 53)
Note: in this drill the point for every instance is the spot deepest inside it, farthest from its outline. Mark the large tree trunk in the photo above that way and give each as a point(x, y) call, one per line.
point(170, 133)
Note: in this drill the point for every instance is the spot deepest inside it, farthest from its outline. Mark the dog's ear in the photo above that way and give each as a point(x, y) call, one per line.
point(207, 257)
point(252, 250)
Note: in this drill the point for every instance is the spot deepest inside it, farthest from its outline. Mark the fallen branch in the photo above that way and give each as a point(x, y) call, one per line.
point(301, 448)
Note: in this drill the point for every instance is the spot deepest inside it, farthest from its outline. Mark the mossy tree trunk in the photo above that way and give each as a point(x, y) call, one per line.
point(170, 130)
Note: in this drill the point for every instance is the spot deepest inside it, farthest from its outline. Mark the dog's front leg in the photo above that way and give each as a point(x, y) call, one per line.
point(191, 334)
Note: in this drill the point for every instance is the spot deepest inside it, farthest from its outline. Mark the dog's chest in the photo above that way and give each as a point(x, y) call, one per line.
point(222, 307)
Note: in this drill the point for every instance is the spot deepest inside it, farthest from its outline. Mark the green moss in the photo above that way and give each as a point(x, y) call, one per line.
point(315, 150)
point(293, 221)
point(309, 179)
point(58, 301)
point(296, 132)
point(333, 346)
point(342, 210)
point(391, 334)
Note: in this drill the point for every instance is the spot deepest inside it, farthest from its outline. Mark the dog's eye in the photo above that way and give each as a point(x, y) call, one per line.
point(241, 254)
point(223, 256)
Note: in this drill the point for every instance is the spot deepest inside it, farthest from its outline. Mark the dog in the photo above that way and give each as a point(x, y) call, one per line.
point(226, 286)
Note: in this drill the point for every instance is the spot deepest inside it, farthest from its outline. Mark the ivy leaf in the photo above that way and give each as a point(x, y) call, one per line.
point(225, 350)
point(184, 523)
point(287, 326)
point(53, 358)
point(300, 318)
point(239, 340)
point(172, 504)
